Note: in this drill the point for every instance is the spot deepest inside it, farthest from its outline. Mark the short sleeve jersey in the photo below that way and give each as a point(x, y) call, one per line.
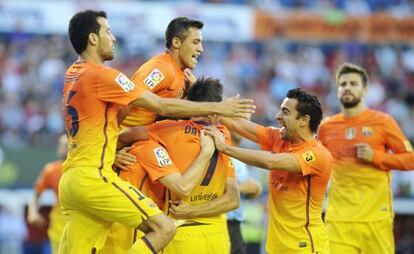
point(163, 77)
point(182, 141)
point(296, 199)
point(153, 163)
point(92, 94)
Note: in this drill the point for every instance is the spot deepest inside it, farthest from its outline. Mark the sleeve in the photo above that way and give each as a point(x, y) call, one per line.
point(154, 77)
point(312, 161)
point(154, 159)
point(402, 157)
point(43, 180)
point(267, 137)
point(113, 86)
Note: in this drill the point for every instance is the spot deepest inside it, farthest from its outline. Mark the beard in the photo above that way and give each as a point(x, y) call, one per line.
point(107, 55)
point(350, 104)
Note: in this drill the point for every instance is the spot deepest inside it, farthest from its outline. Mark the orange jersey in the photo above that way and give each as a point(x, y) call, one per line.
point(92, 94)
point(153, 162)
point(181, 139)
point(362, 191)
point(160, 75)
point(296, 199)
point(49, 177)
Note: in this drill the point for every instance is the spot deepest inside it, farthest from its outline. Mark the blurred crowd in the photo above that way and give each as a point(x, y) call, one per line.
point(351, 7)
point(32, 69)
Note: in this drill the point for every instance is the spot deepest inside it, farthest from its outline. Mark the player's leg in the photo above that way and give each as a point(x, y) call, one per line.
point(237, 244)
point(57, 223)
point(159, 231)
point(101, 200)
point(379, 237)
point(343, 237)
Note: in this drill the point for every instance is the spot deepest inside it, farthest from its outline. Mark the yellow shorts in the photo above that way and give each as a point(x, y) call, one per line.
point(91, 203)
point(361, 237)
point(200, 239)
point(57, 222)
point(121, 238)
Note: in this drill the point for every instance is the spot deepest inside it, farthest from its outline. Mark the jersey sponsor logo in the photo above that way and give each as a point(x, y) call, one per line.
point(203, 196)
point(408, 146)
point(154, 78)
point(350, 133)
point(302, 245)
point(308, 156)
point(367, 131)
point(124, 82)
point(162, 157)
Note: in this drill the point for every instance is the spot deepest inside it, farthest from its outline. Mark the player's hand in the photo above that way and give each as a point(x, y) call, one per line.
point(180, 209)
point(207, 143)
point(236, 107)
point(364, 152)
point(35, 218)
point(123, 159)
point(217, 136)
point(189, 77)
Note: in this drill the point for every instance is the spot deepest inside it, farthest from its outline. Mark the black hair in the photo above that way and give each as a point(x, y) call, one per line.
point(308, 104)
point(352, 68)
point(81, 25)
point(206, 89)
point(178, 27)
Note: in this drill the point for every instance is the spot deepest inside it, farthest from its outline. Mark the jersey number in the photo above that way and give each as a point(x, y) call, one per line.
point(211, 169)
point(72, 117)
point(139, 194)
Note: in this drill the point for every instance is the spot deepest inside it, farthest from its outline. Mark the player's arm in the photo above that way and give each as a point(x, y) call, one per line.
point(242, 126)
point(183, 108)
point(402, 157)
point(262, 159)
point(184, 184)
point(33, 215)
point(228, 201)
point(132, 135)
point(250, 187)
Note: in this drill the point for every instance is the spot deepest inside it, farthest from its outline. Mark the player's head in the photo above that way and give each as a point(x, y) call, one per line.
point(206, 90)
point(183, 37)
point(62, 148)
point(299, 110)
point(352, 83)
point(90, 29)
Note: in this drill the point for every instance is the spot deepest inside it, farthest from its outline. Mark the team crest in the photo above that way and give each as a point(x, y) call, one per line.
point(367, 131)
point(308, 156)
point(154, 78)
point(124, 82)
point(162, 157)
point(350, 133)
point(408, 146)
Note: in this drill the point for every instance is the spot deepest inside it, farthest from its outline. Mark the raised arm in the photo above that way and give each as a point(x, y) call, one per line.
point(33, 215)
point(182, 108)
point(184, 184)
point(262, 159)
point(243, 127)
point(228, 201)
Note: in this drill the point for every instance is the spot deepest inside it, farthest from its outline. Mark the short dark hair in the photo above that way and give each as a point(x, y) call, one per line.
point(178, 27)
point(81, 25)
point(206, 89)
point(352, 68)
point(308, 104)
